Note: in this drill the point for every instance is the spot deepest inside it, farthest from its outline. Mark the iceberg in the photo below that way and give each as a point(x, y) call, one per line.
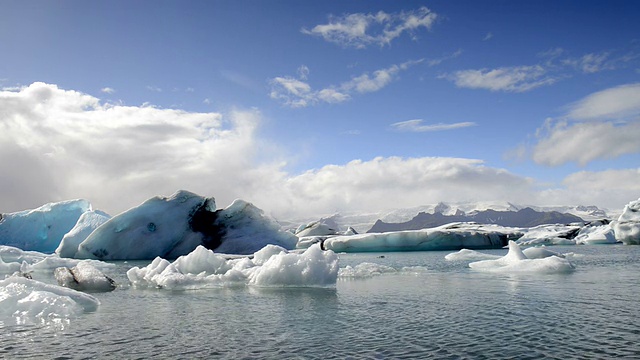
point(595, 235)
point(627, 227)
point(26, 301)
point(169, 227)
point(41, 229)
point(84, 277)
point(517, 262)
point(16, 260)
point(447, 237)
point(468, 254)
point(552, 234)
point(271, 266)
point(88, 222)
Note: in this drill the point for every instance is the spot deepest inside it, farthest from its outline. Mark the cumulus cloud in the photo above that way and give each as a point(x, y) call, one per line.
point(107, 90)
point(417, 125)
point(360, 30)
point(603, 125)
point(59, 144)
point(296, 92)
point(509, 79)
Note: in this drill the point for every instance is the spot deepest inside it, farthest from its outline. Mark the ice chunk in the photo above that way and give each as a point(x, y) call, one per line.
point(84, 277)
point(467, 255)
point(517, 262)
point(15, 259)
point(552, 234)
point(315, 228)
point(88, 222)
point(271, 266)
point(627, 227)
point(447, 237)
point(26, 301)
point(592, 235)
point(41, 229)
point(364, 270)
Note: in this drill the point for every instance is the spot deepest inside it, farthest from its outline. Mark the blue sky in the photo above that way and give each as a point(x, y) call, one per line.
point(316, 107)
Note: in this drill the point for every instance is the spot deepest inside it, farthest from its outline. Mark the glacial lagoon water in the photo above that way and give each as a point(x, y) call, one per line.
point(426, 308)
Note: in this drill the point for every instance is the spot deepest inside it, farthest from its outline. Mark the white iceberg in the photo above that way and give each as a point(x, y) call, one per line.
point(551, 234)
point(468, 255)
point(88, 222)
point(517, 262)
point(13, 259)
point(271, 266)
point(627, 227)
point(595, 235)
point(84, 277)
point(26, 301)
point(41, 229)
point(169, 227)
point(447, 237)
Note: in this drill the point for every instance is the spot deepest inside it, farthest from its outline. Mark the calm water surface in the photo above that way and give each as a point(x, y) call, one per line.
point(438, 310)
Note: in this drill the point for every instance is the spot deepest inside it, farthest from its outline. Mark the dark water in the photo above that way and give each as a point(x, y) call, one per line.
point(446, 312)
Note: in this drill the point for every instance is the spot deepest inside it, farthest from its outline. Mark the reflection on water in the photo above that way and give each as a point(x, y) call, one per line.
point(443, 311)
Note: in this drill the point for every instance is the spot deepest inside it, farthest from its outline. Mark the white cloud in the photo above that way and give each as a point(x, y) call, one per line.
point(296, 92)
point(585, 142)
point(60, 144)
point(360, 30)
point(510, 79)
point(154, 88)
point(614, 103)
point(438, 61)
point(108, 90)
point(487, 37)
point(418, 126)
point(603, 125)
point(610, 189)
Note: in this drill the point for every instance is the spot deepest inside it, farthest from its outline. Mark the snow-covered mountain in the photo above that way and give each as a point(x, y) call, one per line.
point(362, 222)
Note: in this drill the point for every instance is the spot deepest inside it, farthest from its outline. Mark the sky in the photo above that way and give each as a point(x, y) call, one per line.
point(307, 108)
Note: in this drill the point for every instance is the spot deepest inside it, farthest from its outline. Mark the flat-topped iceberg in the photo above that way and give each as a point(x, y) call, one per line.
point(41, 229)
point(627, 227)
point(517, 262)
point(271, 266)
point(447, 237)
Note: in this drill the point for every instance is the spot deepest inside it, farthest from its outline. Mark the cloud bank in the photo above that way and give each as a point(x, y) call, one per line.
point(61, 144)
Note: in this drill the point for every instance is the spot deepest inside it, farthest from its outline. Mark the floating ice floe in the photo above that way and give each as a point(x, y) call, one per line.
point(271, 266)
point(169, 227)
point(41, 229)
point(596, 235)
point(552, 234)
point(84, 277)
point(26, 301)
point(469, 255)
point(13, 259)
point(447, 237)
point(517, 262)
point(627, 227)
